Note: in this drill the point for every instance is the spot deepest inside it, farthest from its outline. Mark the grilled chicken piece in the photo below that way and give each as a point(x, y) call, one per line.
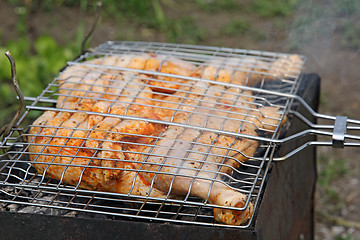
point(248, 70)
point(186, 163)
point(127, 153)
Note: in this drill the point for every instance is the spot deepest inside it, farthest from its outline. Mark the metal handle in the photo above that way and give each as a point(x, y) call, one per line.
point(338, 135)
point(5, 130)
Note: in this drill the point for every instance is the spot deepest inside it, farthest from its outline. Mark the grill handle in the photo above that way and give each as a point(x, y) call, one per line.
point(337, 132)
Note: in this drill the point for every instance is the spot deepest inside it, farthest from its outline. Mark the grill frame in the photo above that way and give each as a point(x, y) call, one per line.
point(264, 165)
point(296, 211)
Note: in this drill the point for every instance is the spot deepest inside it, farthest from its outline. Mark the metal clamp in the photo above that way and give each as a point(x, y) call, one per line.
point(339, 131)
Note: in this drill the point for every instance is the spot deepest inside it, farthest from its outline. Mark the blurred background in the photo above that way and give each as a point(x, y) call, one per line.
point(43, 34)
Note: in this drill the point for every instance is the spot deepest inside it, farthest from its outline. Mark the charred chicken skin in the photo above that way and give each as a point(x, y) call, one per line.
point(142, 132)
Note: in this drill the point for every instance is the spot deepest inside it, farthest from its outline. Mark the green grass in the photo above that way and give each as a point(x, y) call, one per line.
point(347, 237)
point(184, 30)
point(236, 27)
point(155, 14)
point(274, 8)
point(331, 169)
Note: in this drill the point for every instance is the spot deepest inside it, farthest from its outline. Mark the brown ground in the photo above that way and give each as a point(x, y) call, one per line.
point(322, 43)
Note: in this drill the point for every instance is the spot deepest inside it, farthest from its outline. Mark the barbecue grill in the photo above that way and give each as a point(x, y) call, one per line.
point(280, 191)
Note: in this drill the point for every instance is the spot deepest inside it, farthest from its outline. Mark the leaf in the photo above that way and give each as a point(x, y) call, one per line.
point(45, 46)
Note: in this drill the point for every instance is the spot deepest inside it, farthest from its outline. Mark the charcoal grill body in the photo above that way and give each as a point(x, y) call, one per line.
point(285, 212)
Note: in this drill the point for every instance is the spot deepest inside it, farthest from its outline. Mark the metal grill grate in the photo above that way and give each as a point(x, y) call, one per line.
point(198, 111)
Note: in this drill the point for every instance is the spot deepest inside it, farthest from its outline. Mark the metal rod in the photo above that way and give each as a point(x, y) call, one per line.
point(156, 121)
point(5, 130)
point(96, 20)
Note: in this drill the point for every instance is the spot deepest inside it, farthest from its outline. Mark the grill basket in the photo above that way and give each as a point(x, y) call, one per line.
point(206, 98)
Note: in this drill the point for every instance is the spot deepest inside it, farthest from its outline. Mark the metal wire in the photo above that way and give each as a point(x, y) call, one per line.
point(5, 130)
point(216, 110)
point(96, 20)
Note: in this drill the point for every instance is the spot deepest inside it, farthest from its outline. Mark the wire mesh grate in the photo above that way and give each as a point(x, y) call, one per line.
point(151, 131)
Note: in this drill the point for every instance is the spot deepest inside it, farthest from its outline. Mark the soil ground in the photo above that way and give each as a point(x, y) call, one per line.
point(338, 66)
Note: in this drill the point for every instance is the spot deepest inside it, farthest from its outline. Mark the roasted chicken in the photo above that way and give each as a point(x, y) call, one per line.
point(152, 130)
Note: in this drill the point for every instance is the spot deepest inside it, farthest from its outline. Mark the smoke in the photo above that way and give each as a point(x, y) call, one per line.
point(327, 32)
point(322, 28)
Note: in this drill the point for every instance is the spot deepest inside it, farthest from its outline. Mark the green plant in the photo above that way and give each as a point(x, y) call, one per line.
point(184, 30)
point(235, 27)
point(331, 169)
point(34, 70)
point(347, 237)
point(274, 8)
point(37, 63)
